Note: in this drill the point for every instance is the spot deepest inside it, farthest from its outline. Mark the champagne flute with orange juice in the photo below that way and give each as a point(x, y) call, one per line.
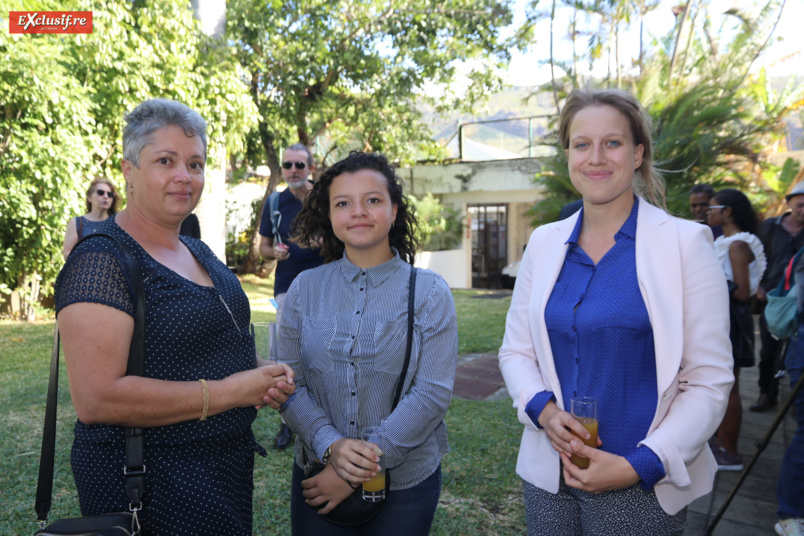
point(584, 409)
point(374, 489)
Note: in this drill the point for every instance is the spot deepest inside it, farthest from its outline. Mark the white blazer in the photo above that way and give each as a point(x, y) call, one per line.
point(687, 300)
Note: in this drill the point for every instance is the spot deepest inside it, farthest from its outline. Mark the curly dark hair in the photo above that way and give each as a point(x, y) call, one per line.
point(741, 210)
point(313, 223)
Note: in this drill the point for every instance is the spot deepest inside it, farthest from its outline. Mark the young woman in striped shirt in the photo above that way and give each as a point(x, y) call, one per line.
point(344, 333)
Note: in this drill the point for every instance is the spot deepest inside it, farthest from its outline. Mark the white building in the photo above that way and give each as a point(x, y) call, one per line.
point(493, 196)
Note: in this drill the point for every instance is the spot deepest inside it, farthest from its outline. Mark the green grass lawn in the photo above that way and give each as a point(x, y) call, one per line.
point(481, 493)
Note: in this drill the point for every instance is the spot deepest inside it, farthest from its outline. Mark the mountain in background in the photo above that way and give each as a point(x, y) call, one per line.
point(503, 127)
point(502, 123)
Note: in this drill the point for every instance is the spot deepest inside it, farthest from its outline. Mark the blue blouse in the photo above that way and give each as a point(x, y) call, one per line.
point(603, 347)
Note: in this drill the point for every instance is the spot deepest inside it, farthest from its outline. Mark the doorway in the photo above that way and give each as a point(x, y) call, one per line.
point(489, 244)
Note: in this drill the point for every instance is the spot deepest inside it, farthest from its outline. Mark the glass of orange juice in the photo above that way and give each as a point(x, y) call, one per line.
point(374, 489)
point(584, 409)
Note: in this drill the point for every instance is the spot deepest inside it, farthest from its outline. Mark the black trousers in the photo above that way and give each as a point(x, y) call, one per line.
point(770, 359)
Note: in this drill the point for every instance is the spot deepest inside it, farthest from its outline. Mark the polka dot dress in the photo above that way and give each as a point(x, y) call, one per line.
point(199, 474)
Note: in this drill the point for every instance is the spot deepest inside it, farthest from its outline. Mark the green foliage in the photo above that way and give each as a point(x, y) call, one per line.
point(46, 134)
point(64, 98)
point(441, 227)
point(347, 74)
point(781, 182)
point(700, 136)
point(713, 121)
point(237, 244)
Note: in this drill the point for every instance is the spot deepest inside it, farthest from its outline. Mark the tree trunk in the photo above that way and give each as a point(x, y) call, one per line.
point(617, 55)
point(641, 42)
point(684, 16)
point(23, 305)
point(574, 35)
point(211, 210)
point(253, 263)
point(552, 66)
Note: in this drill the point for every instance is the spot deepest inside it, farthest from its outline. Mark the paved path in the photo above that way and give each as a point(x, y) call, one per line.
point(753, 510)
point(478, 378)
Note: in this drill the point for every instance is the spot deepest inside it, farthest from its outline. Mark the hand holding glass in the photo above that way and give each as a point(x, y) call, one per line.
point(584, 409)
point(374, 489)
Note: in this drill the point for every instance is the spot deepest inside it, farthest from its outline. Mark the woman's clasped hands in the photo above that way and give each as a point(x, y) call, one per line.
point(266, 385)
point(606, 471)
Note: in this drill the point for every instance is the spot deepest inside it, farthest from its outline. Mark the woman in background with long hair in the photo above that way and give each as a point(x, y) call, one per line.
point(742, 258)
point(101, 200)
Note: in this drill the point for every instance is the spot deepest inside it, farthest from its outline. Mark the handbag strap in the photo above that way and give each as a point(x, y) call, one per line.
point(409, 347)
point(134, 469)
point(788, 273)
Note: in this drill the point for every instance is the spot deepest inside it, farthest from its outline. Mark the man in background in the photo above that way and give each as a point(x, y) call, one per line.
point(700, 194)
point(276, 228)
point(782, 237)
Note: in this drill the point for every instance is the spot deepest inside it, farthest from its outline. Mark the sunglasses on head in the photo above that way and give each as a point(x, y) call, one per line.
point(299, 165)
point(104, 193)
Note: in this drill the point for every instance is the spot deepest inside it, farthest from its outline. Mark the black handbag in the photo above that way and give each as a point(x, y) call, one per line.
point(115, 524)
point(353, 511)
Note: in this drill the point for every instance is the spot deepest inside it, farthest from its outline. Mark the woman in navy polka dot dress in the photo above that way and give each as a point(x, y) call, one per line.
point(627, 304)
point(199, 447)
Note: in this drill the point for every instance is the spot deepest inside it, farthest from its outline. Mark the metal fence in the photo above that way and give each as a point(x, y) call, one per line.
point(503, 139)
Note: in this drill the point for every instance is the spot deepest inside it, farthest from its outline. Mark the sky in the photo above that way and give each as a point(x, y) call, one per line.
point(525, 68)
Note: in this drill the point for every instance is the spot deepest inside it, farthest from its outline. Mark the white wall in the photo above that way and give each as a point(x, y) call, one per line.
point(211, 210)
point(450, 264)
point(238, 204)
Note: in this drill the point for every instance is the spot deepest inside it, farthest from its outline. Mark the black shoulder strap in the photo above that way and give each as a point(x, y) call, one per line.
point(135, 467)
point(44, 487)
point(411, 299)
point(79, 226)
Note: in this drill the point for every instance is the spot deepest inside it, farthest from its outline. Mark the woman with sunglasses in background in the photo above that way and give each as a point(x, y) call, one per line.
point(742, 258)
point(101, 203)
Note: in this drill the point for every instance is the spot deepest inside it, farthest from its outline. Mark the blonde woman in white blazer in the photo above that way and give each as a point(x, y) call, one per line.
point(606, 136)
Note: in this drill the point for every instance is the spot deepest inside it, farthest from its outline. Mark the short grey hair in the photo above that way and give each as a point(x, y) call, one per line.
point(150, 116)
point(302, 147)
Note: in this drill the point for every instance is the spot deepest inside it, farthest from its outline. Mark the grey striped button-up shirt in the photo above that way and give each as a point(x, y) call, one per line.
point(344, 333)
